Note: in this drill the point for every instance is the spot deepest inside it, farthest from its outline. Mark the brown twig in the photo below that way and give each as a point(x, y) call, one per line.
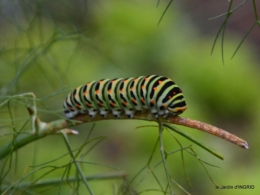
point(51, 128)
point(209, 129)
point(179, 121)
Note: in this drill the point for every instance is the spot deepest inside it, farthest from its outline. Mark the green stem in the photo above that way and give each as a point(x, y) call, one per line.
point(164, 158)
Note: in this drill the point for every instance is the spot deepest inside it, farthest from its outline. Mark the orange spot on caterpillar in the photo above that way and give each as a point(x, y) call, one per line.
point(142, 87)
point(155, 88)
point(142, 100)
point(112, 104)
point(159, 82)
point(125, 103)
point(97, 91)
point(169, 97)
point(100, 104)
point(153, 101)
point(133, 100)
point(182, 108)
point(164, 105)
point(78, 106)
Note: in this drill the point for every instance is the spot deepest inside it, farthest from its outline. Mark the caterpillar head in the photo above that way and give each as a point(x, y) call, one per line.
point(176, 107)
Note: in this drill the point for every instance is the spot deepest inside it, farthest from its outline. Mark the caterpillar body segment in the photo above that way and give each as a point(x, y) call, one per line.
point(111, 96)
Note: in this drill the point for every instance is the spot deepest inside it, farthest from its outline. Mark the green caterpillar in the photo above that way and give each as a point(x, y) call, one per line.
point(158, 94)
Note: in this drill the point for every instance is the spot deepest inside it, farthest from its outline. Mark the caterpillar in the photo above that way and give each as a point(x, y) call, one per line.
point(158, 94)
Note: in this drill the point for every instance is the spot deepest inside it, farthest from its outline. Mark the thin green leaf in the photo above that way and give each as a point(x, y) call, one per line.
point(237, 7)
point(181, 187)
point(143, 168)
point(243, 40)
point(189, 137)
point(182, 158)
point(216, 38)
point(77, 164)
point(204, 168)
point(163, 157)
point(223, 26)
point(255, 12)
point(164, 12)
point(158, 2)
point(205, 162)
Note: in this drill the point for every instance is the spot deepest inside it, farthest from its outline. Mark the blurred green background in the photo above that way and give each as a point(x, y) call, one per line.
point(49, 48)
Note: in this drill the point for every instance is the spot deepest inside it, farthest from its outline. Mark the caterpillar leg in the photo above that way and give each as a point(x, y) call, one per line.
point(117, 112)
point(117, 115)
point(92, 116)
point(83, 111)
point(165, 115)
point(129, 113)
point(154, 111)
point(92, 113)
point(104, 112)
point(70, 114)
